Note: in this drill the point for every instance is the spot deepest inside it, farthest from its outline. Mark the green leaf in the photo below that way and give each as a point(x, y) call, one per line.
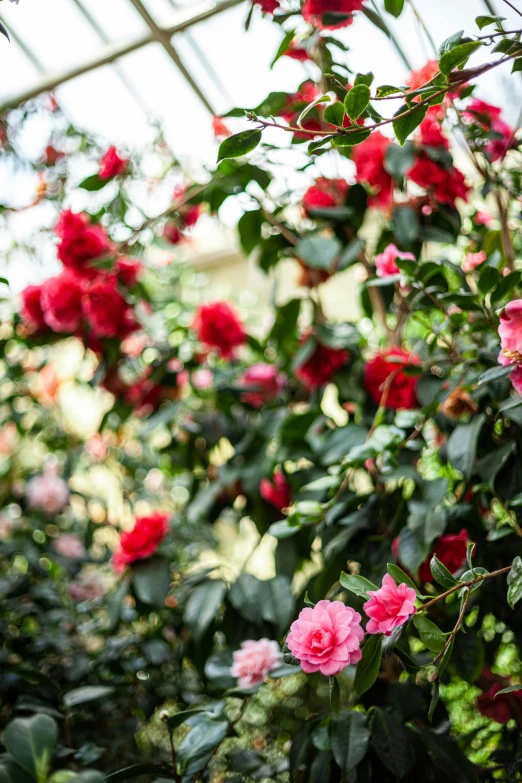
point(368, 667)
point(180, 717)
point(494, 374)
point(387, 89)
point(197, 747)
point(517, 65)
point(394, 7)
point(12, 773)
point(283, 46)
point(350, 737)
point(484, 21)
point(93, 183)
point(400, 577)
point(249, 229)
point(151, 580)
point(488, 279)
point(351, 254)
point(136, 771)
point(335, 695)
point(514, 580)
point(441, 574)
point(31, 743)
point(363, 78)
point(510, 689)
point(351, 138)
point(85, 694)
point(334, 114)
point(469, 555)
point(392, 743)
point(308, 109)
point(202, 606)
point(457, 56)
point(239, 144)
point(357, 584)
point(434, 699)
point(318, 252)
point(357, 100)
point(429, 633)
point(462, 445)
point(449, 761)
point(411, 119)
point(446, 656)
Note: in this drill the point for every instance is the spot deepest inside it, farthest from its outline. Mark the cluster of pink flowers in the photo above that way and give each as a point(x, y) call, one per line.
point(254, 661)
point(47, 492)
point(385, 262)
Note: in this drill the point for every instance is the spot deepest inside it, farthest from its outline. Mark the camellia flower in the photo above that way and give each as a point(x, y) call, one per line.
point(369, 157)
point(510, 331)
point(297, 52)
point(277, 491)
point(112, 164)
point(389, 606)
point(217, 326)
point(325, 193)
point(472, 260)
point(497, 147)
point(446, 185)
point(254, 661)
point(449, 549)
point(401, 391)
point(322, 365)
point(31, 309)
point(80, 242)
point(70, 546)
point(483, 218)
point(219, 128)
point(47, 492)
point(106, 311)
point(481, 112)
point(500, 708)
point(61, 302)
point(385, 261)
point(267, 6)
point(202, 379)
point(432, 133)
point(330, 14)
point(142, 541)
point(326, 638)
point(267, 383)
point(129, 270)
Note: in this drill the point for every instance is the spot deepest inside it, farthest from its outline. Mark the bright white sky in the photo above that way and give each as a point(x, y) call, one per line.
point(60, 37)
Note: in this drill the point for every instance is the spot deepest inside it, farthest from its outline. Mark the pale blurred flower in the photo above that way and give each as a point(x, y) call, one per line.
point(254, 661)
point(472, 260)
point(87, 587)
point(69, 545)
point(202, 379)
point(47, 492)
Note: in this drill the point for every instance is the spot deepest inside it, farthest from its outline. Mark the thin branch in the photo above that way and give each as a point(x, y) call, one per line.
point(468, 583)
point(515, 9)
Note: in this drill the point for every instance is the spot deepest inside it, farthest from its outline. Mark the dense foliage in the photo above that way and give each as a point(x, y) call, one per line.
point(378, 460)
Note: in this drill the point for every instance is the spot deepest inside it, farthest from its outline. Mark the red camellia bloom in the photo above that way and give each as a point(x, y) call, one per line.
point(266, 382)
point(31, 309)
point(330, 14)
point(267, 6)
point(142, 541)
point(481, 112)
point(307, 93)
point(449, 549)
point(400, 392)
point(322, 365)
point(325, 193)
point(297, 52)
point(106, 311)
point(217, 325)
point(369, 160)
point(80, 242)
point(112, 164)
point(51, 155)
point(432, 134)
point(129, 269)
point(189, 213)
point(422, 76)
point(220, 129)
point(446, 185)
point(277, 491)
point(62, 302)
point(172, 233)
point(500, 708)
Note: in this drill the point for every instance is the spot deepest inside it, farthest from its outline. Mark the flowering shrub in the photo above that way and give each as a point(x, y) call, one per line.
point(382, 450)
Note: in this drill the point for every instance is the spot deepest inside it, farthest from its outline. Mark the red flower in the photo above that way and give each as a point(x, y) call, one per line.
point(296, 52)
point(307, 93)
point(62, 302)
point(481, 112)
point(401, 390)
point(52, 155)
point(330, 14)
point(277, 491)
point(449, 549)
point(112, 164)
point(322, 365)
point(146, 395)
point(189, 213)
point(129, 270)
point(504, 140)
point(31, 309)
point(446, 185)
point(267, 6)
point(217, 325)
point(142, 541)
point(172, 233)
point(422, 76)
point(500, 708)
point(266, 382)
point(432, 134)
point(325, 193)
point(369, 157)
point(81, 242)
point(220, 129)
point(106, 311)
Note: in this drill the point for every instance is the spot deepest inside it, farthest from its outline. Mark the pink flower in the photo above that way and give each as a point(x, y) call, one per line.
point(483, 218)
point(254, 661)
point(266, 383)
point(385, 261)
point(497, 147)
point(61, 302)
point(326, 638)
point(202, 379)
point(389, 606)
point(510, 332)
point(70, 546)
point(276, 492)
point(112, 164)
point(472, 261)
point(86, 588)
point(47, 492)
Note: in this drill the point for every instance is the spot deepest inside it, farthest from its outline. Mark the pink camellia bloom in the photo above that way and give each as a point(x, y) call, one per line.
point(516, 378)
point(472, 260)
point(385, 261)
point(202, 379)
point(277, 491)
point(326, 638)
point(483, 218)
point(266, 383)
point(70, 546)
point(389, 606)
point(87, 587)
point(48, 493)
point(510, 332)
point(112, 164)
point(254, 661)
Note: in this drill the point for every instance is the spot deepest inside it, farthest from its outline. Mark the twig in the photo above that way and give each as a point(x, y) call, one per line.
point(515, 9)
point(456, 628)
point(468, 583)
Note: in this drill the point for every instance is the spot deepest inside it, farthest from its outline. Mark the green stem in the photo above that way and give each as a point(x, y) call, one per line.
point(467, 583)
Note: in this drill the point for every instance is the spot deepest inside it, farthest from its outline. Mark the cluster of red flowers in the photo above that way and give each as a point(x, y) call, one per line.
point(83, 295)
point(330, 14)
point(325, 193)
point(369, 158)
point(218, 327)
point(500, 136)
point(386, 381)
point(500, 708)
point(187, 215)
point(142, 541)
point(321, 366)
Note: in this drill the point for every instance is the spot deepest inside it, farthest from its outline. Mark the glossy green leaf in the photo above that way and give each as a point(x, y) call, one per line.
point(457, 56)
point(356, 101)
point(394, 7)
point(392, 742)
point(514, 580)
point(357, 584)
point(350, 737)
point(429, 633)
point(239, 144)
point(407, 120)
point(31, 743)
point(369, 665)
point(334, 114)
point(441, 574)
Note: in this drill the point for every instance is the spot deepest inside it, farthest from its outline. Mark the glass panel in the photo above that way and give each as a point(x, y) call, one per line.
point(118, 19)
